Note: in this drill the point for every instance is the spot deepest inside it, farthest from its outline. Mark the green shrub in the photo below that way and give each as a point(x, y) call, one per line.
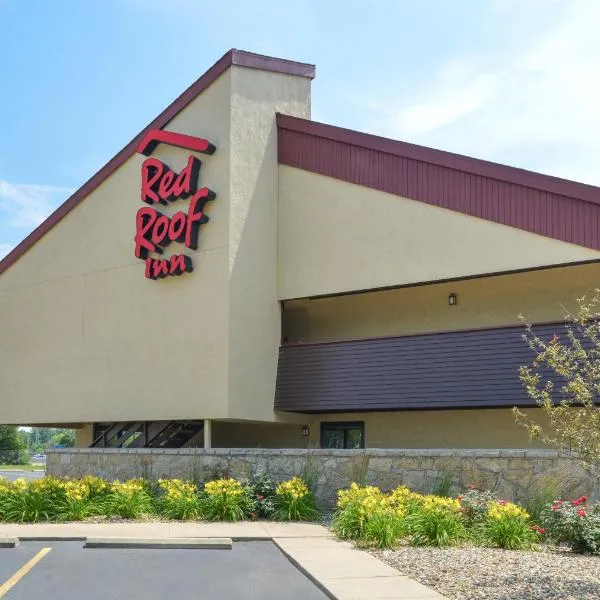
point(475, 504)
point(225, 500)
point(509, 526)
point(128, 499)
point(293, 501)
point(574, 522)
point(436, 522)
point(261, 489)
point(178, 499)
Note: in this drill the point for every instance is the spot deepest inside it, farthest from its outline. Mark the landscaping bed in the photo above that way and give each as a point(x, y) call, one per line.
point(54, 499)
point(475, 573)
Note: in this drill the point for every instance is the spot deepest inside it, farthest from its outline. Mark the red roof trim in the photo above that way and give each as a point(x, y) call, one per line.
point(233, 57)
point(458, 162)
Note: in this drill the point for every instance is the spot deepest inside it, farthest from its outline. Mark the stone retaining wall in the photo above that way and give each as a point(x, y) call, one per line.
point(511, 473)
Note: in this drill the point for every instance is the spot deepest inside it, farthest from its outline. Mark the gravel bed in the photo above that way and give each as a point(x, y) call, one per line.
point(474, 573)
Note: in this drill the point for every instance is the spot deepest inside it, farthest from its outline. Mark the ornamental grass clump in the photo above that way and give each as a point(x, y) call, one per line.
point(437, 521)
point(225, 500)
point(575, 522)
point(129, 499)
point(178, 499)
point(509, 526)
point(294, 501)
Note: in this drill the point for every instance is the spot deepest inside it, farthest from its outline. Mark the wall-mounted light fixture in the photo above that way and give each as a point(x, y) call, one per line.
point(305, 431)
point(452, 299)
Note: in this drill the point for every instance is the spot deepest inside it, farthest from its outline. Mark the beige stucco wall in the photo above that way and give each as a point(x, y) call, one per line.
point(335, 237)
point(254, 313)
point(540, 296)
point(85, 337)
point(84, 436)
point(485, 428)
point(227, 434)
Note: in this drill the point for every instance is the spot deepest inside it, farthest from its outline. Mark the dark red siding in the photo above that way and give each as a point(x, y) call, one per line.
point(462, 369)
point(549, 206)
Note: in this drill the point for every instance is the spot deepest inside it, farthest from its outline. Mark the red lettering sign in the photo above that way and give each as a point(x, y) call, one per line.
point(161, 185)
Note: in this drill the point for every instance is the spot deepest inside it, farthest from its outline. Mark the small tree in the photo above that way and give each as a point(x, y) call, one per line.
point(564, 381)
point(12, 449)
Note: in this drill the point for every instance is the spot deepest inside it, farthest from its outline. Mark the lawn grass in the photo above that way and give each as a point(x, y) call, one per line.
point(39, 467)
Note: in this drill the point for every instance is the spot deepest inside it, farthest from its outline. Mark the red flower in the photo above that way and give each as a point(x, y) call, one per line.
point(581, 513)
point(538, 529)
point(580, 500)
point(555, 507)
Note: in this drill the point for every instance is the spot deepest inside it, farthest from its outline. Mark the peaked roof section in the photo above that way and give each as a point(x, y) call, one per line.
point(233, 57)
point(549, 206)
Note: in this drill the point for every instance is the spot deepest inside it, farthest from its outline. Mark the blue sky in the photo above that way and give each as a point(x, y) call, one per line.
point(513, 81)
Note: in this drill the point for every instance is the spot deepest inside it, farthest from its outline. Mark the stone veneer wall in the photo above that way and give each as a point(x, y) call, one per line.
point(511, 473)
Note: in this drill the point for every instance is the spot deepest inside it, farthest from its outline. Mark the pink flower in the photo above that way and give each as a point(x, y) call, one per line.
point(472, 486)
point(555, 507)
point(260, 497)
point(503, 502)
point(581, 513)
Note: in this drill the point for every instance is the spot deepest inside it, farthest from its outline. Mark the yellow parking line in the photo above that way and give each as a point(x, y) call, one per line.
point(10, 583)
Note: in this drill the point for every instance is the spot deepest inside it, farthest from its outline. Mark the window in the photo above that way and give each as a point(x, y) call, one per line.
point(343, 434)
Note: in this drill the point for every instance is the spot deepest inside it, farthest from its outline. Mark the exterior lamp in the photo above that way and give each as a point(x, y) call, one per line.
point(452, 299)
point(305, 431)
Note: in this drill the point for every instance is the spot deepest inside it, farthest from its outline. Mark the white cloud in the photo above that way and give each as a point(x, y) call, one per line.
point(533, 105)
point(457, 102)
point(26, 205)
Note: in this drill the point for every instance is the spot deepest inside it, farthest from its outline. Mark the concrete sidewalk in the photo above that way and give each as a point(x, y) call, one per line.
point(337, 567)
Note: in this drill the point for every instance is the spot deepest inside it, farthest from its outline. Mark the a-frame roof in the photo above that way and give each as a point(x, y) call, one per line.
point(550, 206)
point(230, 58)
point(553, 207)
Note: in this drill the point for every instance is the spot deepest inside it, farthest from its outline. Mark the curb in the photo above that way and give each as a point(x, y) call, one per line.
point(161, 543)
point(6, 542)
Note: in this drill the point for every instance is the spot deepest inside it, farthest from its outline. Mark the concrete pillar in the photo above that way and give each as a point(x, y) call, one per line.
point(207, 432)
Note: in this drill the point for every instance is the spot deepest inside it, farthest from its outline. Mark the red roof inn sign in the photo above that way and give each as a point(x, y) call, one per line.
point(161, 185)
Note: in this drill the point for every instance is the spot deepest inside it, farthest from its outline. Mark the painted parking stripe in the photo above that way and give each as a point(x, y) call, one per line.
point(10, 583)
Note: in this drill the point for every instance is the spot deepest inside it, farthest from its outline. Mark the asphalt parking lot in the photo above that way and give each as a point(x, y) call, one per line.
point(12, 475)
point(68, 571)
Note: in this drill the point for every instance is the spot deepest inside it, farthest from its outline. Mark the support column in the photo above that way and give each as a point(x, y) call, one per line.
point(207, 433)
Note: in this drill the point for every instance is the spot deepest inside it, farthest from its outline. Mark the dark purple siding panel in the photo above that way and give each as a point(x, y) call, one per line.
point(463, 369)
point(548, 206)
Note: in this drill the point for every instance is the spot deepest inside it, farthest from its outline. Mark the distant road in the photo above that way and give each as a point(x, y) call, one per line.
point(12, 475)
